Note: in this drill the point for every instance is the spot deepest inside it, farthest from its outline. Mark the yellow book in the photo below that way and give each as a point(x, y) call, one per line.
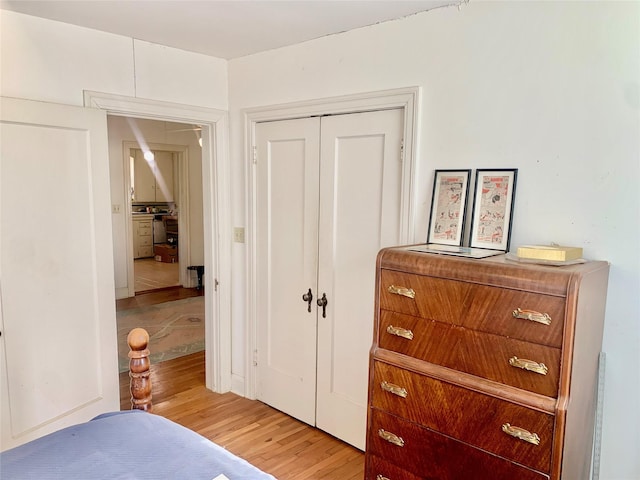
point(555, 253)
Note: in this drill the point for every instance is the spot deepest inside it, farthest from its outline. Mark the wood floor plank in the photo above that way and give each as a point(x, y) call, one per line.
point(271, 440)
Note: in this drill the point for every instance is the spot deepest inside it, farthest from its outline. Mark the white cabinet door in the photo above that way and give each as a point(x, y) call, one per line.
point(144, 181)
point(320, 225)
point(164, 176)
point(153, 180)
point(58, 350)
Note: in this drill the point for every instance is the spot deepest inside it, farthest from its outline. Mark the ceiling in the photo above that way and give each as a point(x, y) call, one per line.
point(224, 28)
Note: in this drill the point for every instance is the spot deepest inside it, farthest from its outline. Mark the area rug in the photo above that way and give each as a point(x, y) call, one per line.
point(175, 329)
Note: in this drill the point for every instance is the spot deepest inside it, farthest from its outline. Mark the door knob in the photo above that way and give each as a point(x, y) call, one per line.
point(308, 297)
point(322, 302)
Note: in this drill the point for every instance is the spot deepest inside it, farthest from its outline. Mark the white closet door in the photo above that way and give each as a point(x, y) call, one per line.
point(328, 198)
point(58, 350)
point(286, 236)
point(360, 178)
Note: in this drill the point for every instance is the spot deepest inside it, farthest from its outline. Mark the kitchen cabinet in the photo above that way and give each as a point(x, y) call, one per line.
point(153, 181)
point(483, 369)
point(142, 236)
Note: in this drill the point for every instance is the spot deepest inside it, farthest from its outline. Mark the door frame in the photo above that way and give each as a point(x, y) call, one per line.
point(404, 98)
point(181, 197)
point(216, 208)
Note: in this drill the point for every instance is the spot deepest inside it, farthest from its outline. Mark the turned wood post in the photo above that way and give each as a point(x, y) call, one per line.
point(139, 369)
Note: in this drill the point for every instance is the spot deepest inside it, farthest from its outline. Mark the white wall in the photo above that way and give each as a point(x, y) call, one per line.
point(55, 62)
point(548, 87)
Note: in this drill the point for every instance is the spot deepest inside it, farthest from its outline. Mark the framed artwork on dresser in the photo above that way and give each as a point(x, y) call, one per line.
point(493, 199)
point(448, 207)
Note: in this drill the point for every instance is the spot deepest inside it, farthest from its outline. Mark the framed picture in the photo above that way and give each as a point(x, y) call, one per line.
point(494, 195)
point(448, 207)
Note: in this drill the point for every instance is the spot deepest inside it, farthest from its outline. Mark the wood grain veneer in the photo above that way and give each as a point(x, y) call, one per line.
point(451, 365)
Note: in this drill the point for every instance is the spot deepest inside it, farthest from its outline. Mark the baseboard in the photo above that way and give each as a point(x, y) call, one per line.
point(122, 293)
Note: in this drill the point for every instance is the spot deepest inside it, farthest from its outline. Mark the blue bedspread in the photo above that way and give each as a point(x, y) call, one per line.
point(124, 445)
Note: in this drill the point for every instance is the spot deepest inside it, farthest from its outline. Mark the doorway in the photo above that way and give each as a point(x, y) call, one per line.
point(215, 201)
point(406, 101)
point(160, 209)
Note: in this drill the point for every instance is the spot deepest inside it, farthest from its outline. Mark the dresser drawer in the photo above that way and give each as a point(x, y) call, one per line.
point(430, 455)
point(481, 354)
point(532, 317)
point(378, 469)
point(437, 405)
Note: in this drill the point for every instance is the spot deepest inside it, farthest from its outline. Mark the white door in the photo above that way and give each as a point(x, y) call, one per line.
point(360, 178)
point(58, 358)
point(287, 238)
point(334, 214)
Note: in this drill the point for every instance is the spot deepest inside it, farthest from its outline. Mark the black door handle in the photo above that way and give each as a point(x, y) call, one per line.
point(308, 297)
point(322, 302)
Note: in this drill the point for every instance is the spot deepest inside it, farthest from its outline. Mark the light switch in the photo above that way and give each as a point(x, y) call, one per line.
point(238, 234)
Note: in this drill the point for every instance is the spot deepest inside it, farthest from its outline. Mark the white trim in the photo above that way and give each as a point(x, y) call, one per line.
point(405, 98)
point(217, 230)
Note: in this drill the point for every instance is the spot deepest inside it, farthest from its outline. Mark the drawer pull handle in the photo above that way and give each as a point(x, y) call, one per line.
point(381, 477)
point(400, 332)
point(528, 365)
point(532, 316)
point(395, 389)
point(404, 291)
point(391, 438)
point(521, 433)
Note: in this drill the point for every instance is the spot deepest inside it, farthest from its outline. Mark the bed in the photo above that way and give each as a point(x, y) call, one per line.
point(132, 444)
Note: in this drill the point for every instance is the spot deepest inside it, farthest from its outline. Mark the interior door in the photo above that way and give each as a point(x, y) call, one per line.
point(287, 245)
point(328, 198)
point(58, 364)
point(360, 192)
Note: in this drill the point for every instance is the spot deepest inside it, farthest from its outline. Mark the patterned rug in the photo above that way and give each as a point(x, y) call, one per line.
point(175, 329)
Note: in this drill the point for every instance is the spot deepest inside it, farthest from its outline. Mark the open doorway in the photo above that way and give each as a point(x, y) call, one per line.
point(156, 204)
point(215, 200)
point(158, 167)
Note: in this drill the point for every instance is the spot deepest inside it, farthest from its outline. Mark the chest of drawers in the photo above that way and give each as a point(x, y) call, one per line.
point(483, 369)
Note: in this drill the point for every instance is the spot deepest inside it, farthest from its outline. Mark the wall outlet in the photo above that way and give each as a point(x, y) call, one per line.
point(115, 208)
point(238, 234)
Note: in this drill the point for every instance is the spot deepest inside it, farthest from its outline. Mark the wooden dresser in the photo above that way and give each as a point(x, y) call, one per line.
point(483, 369)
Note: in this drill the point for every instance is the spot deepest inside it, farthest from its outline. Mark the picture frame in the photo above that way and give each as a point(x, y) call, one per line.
point(493, 200)
point(449, 198)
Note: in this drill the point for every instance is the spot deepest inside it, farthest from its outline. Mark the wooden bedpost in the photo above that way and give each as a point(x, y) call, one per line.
point(139, 369)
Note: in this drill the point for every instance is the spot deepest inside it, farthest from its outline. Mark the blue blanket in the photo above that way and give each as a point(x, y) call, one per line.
point(125, 445)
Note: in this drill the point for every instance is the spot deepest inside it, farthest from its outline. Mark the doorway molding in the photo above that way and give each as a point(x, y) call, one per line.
point(406, 99)
point(216, 221)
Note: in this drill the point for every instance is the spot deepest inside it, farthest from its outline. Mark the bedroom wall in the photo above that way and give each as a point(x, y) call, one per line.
point(55, 62)
point(551, 88)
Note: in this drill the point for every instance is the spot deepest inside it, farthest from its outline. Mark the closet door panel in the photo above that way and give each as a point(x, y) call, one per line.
point(286, 237)
point(360, 171)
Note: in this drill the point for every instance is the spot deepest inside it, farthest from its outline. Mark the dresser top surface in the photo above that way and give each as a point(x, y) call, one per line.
point(496, 270)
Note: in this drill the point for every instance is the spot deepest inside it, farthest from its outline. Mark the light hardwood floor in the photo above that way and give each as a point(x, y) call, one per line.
point(150, 274)
point(268, 438)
